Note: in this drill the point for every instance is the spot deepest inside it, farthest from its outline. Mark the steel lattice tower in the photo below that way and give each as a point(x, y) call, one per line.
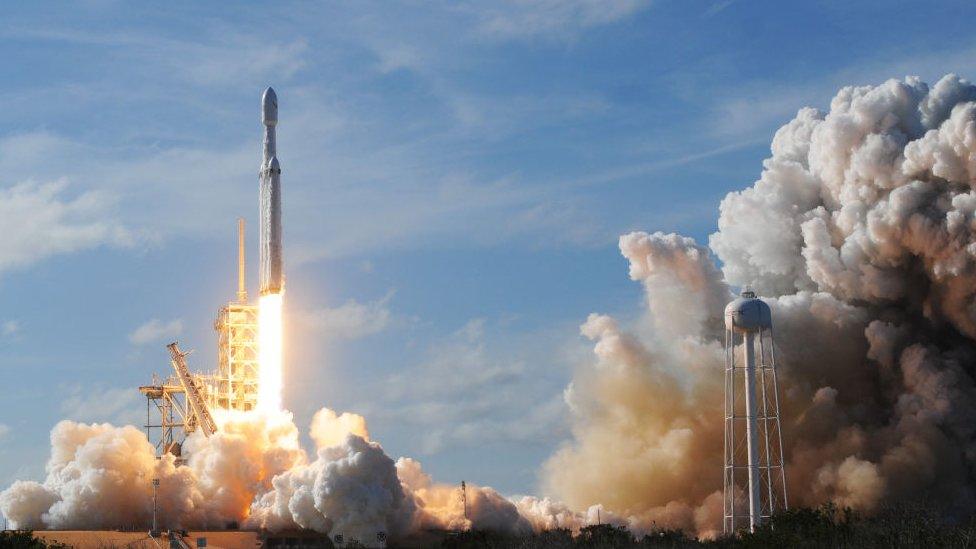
point(754, 475)
point(235, 384)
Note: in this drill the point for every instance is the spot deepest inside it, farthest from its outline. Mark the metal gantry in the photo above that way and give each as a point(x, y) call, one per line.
point(174, 419)
point(754, 484)
point(184, 402)
point(235, 384)
point(194, 396)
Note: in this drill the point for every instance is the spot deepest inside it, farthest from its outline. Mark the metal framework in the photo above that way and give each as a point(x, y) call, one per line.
point(184, 402)
point(194, 396)
point(235, 384)
point(754, 474)
point(173, 417)
point(171, 411)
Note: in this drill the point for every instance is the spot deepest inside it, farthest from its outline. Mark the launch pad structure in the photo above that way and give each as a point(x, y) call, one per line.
point(182, 403)
point(235, 385)
point(169, 400)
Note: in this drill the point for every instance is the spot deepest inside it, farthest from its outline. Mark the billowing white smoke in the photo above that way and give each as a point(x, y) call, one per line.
point(860, 233)
point(99, 476)
point(252, 472)
point(441, 507)
point(351, 487)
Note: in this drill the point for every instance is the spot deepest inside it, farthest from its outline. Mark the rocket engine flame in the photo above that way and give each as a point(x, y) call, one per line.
point(860, 234)
point(272, 278)
point(253, 470)
point(270, 335)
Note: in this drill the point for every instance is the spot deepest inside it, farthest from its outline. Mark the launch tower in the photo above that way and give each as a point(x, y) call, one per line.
point(183, 402)
point(754, 477)
point(235, 385)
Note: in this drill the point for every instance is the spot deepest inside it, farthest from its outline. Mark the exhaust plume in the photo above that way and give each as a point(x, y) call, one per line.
point(252, 472)
point(860, 235)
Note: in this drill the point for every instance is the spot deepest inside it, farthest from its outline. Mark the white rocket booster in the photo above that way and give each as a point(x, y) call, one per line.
point(272, 279)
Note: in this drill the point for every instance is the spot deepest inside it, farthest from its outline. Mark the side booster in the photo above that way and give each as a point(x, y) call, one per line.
point(272, 276)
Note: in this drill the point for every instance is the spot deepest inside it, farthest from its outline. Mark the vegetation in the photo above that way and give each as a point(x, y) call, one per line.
point(894, 527)
point(23, 539)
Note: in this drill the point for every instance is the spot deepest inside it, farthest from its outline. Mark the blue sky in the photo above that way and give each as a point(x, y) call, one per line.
point(455, 177)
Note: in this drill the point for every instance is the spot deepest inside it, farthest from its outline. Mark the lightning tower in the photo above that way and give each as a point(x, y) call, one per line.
point(754, 477)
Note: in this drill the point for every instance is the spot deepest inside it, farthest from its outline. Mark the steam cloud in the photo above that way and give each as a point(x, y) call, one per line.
point(252, 472)
point(860, 235)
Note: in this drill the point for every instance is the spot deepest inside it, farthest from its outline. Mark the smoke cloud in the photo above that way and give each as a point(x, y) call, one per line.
point(860, 235)
point(252, 472)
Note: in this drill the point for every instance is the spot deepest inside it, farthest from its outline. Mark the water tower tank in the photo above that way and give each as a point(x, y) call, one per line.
point(755, 477)
point(747, 313)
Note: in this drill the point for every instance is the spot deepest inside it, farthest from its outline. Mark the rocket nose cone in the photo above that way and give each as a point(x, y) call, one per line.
point(269, 107)
point(274, 165)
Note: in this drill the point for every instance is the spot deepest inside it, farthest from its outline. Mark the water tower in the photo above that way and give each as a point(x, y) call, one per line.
point(755, 481)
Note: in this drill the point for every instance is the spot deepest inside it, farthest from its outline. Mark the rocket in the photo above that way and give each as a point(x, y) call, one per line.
point(272, 278)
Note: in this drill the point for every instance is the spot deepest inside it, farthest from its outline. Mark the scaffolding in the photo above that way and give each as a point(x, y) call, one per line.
point(235, 384)
point(181, 404)
point(173, 418)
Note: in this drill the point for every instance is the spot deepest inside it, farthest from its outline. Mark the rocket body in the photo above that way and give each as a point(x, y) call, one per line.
point(272, 276)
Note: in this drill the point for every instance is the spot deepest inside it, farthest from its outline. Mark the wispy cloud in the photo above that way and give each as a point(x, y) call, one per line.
point(383, 182)
point(222, 56)
point(397, 57)
point(156, 330)
point(755, 107)
point(117, 405)
point(377, 196)
point(351, 320)
point(500, 117)
point(519, 19)
point(9, 328)
point(718, 7)
point(464, 394)
point(39, 220)
point(638, 169)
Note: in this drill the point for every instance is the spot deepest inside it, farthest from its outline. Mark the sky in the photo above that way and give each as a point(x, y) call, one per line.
point(455, 177)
